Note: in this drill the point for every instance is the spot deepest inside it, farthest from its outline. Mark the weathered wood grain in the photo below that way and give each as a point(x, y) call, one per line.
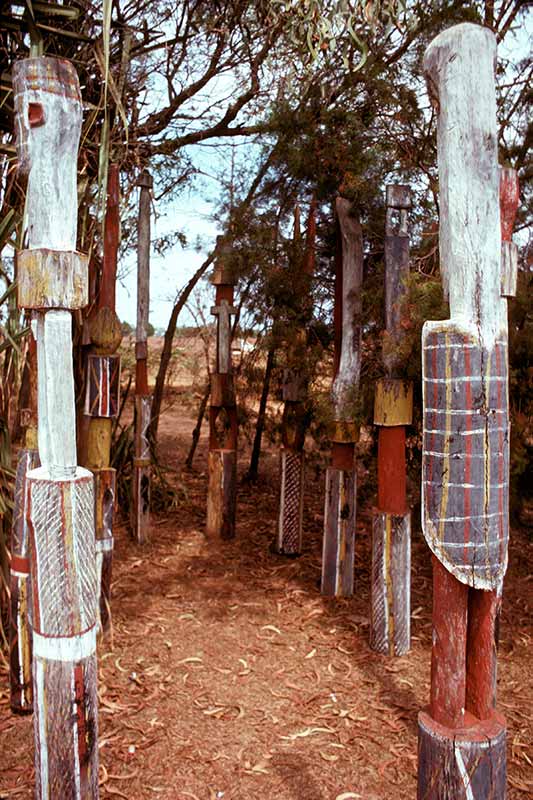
point(339, 533)
point(59, 495)
point(345, 384)
point(21, 696)
point(52, 279)
point(142, 469)
point(466, 419)
point(221, 493)
point(467, 763)
point(390, 622)
point(104, 506)
point(223, 313)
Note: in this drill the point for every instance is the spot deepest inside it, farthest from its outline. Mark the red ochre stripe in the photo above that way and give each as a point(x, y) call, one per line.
point(104, 387)
point(20, 564)
point(468, 454)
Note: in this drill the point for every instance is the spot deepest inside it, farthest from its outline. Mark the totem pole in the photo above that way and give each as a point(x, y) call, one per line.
point(295, 385)
point(222, 459)
point(465, 467)
point(143, 399)
point(390, 629)
point(102, 398)
point(52, 283)
point(341, 490)
point(19, 627)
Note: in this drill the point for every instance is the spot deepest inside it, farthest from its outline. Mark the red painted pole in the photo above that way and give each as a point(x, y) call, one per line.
point(390, 625)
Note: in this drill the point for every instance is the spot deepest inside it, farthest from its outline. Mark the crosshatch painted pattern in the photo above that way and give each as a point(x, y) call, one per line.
point(466, 456)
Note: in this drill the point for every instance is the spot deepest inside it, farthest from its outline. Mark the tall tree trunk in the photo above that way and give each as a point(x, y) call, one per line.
point(198, 426)
point(261, 415)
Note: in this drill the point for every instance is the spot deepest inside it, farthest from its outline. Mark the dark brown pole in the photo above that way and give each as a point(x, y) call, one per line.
point(143, 399)
point(102, 397)
point(222, 458)
point(390, 630)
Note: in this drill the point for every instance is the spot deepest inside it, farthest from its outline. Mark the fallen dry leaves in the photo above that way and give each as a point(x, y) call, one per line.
point(231, 678)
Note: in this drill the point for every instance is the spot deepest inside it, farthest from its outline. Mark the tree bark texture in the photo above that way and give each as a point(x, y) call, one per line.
point(59, 494)
point(261, 415)
point(340, 504)
point(465, 466)
point(391, 529)
point(143, 401)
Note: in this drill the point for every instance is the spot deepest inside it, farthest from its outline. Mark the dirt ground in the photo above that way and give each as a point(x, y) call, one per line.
point(230, 676)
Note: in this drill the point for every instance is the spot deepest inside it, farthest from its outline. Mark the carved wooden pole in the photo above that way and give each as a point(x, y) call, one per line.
point(222, 458)
point(52, 282)
point(20, 656)
point(390, 630)
point(340, 502)
point(102, 398)
point(295, 379)
point(465, 466)
point(143, 399)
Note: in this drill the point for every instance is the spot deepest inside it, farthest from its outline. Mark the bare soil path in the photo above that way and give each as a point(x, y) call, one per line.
point(231, 678)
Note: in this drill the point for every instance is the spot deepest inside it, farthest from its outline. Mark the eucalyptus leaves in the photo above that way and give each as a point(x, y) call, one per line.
point(320, 27)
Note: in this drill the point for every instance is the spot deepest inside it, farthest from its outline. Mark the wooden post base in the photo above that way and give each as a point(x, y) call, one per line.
point(288, 540)
point(390, 625)
point(339, 533)
point(66, 723)
point(467, 763)
point(221, 493)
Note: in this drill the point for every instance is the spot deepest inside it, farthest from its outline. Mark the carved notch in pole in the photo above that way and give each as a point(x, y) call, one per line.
point(340, 501)
point(465, 466)
point(143, 399)
point(391, 525)
point(292, 457)
point(222, 458)
point(59, 495)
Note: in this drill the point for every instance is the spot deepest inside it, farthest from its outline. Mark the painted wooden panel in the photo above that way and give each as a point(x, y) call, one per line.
point(103, 386)
point(391, 584)
point(289, 531)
